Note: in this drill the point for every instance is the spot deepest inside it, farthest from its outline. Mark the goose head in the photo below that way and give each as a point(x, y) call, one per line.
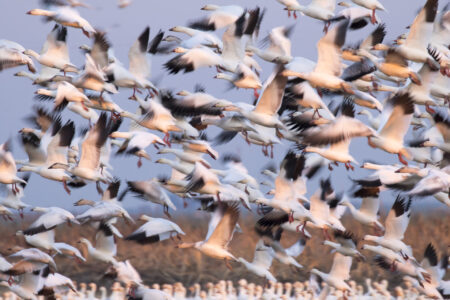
point(183, 93)
point(40, 12)
point(83, 201)
point(210, 7)
point(39, 209)
point(145, 218)
point(344, 4)
point(180, 50)
point(171, 38)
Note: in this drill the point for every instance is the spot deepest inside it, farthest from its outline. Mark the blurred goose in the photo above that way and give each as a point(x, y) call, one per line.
point(346, 244)
point(340, 271)
point(317, 9)
point(64, 94)
point(55, 53)
point(13, 198)
point(197, 37)
point(221, 16)
point(11, 55)
point(262, 260)
point(395, 120)
point(218, 238)
point(66, 16)
point(103, 212)
point(152, 191)
point(52, 217)
point(396, 224)
point(154, 230)
point(105, 248)
point(373, 5)
point(8, 168)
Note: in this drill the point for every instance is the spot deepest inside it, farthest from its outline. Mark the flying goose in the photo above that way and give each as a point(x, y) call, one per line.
point(103, 212)
point(66, 16)
point(8, 170)
point(317, 9)
point(338, 135)
point(221, 16)
point(105, 248)
point(197, 37)
point(346, 244)
point(11, 55)
point(13, 198)
point(396, 224)
point(339, 273)
point(218, 238)
point(367, 214)
point(55, 53)
point(373, 5)
point(154, 230)
point(152, 191)
point(395, 120)
point(262, 260)
point(52, 217)
point(63, 95)
point(328, 69)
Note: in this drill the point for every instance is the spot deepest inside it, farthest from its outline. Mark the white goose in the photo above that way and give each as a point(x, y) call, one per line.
point(64, 94)
point(346, 244)
point(8, 170)
point(373, 5)
point(65, 16)
point(218, 237)
point(395, 120)
point(262, 260)
point(55, 53)
point(52, 217)
point(11, 55)
point(154, 230)
point(339, 273)
point(197, 38)
point(318, 9)
point(221, 16)
point(105, 248)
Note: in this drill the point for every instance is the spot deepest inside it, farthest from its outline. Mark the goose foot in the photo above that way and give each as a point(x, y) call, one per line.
point(373, 19)
point(166, 211)
point(264, 150)
point(185, 204)
point(255, 93)
point(245, 134)
point(291, 217)
point(375, 85)
point(295, 15)
point(227, 263)
point(166, 139)
point(139, 162)
point(330, 167)
point(133, 97)
point(405, 256)
point(21, 213)
point(400, 158)
point(10, 280)
point(99, 188)
point(218, 69)
point(66, 188)
point(394, 266)
point(325, 28)
point(289, 13)
point(84, 106)
point(115, 116)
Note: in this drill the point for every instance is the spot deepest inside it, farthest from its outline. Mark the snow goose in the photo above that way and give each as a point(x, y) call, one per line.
point(367, 214)
point(373, 5)
point(105, 248)
point(434, 182)
point(32, 259)
point(265, 111)
point(155, 117)
point(221, 16)
point(69, 251)
point(218, 238)
point(63, 95)
point(339, 273)
point(13, 199)
point(55, 283)
point(27, 286)
point(154, 230)
point(56, 145)
point(186, 155)
point(318, 9)
point(338, 134)
point(328, 69)
point(88, 166)
point(395, 120)
point(262, 260)
point(192, 59)
point(8, 170)
point(376, 37)
point(415, 46)
point(124, 272)
point(52, 217)
point(11, 55)
point(279, 49)
point(66, 16)
point(152, 191)
point(55, 53)
point(243, 77)
point(396, 224)
point(346, 244)
point(197, 37)
point(135, 143)
point(359, 16)
point(103, 212)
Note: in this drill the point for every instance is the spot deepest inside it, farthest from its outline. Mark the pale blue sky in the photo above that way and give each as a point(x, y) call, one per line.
point(123, 27)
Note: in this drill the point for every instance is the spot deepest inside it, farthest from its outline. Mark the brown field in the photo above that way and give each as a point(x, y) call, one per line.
point(163, 263)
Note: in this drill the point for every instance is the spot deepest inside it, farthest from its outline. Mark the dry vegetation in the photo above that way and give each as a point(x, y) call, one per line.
point(163, 263)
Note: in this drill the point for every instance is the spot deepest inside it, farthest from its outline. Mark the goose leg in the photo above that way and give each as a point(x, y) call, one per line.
point(255, 93)
point(291, 217)
point(218, 197)
point(289, 13)
point(326, 236)
point(9, 218)
point(400, 158)
point(133, 97)
point(185, 204)
point(373, 19)
point(139, 163)
point(66, 188)
point(330, 167)
point(271, 150)
point(227, 263)
point(325, 28)
point(10, 280)
point(346, 166)
point(166, 211)
point(166, 139)
point(295, 14)
point(394, 266)
point(21, 213)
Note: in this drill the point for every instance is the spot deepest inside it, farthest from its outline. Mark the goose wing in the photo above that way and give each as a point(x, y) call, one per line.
point(263, 255)
point(139, 65)
point(104, 239)
point(422, 28)
point(224, 230)
point(328, 5)
point(58, 145)
point(396, 116)
point(341, 266)
point(272, 95)
point(329, 50)
point(370, 200)
point(398, 219)
point(91, 146)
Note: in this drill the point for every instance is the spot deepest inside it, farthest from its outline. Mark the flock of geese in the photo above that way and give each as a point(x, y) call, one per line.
point(308, 106)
